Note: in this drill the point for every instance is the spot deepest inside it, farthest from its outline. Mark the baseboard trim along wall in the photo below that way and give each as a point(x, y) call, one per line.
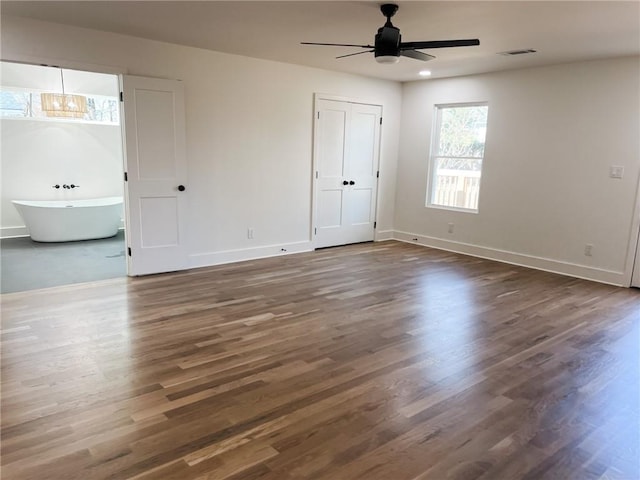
point(539, 263)
point(243, 254)
point(548, 265)
point(11, 232)
point(383, 235)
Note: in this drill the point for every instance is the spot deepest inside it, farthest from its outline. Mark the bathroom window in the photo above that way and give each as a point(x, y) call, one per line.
point(457, 152)
point(26, 103)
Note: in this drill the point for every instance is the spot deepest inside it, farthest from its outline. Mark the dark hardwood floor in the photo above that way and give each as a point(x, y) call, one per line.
point(376, 361)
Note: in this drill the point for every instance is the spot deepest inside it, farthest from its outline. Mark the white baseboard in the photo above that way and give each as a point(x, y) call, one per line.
point(239, 255)
point(11, 232)
point(539, 263)
point(549, 265)
point(383, 235)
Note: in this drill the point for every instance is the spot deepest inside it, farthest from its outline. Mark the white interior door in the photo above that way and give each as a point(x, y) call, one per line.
point(346, 157)
point(155, 163)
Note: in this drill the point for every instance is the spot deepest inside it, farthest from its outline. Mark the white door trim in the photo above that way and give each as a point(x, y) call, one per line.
point(340, 98)
point(67, 64)
point(633, 255)
point(635, 270)
point(317, 97)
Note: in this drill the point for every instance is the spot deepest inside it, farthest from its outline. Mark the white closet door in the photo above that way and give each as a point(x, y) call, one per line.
point(346, 153)
point(362, 169)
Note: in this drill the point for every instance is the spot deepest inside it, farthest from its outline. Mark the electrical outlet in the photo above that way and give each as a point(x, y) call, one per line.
point(616, 171)
point(250, 233)
point(588, 250)
point(450, 230)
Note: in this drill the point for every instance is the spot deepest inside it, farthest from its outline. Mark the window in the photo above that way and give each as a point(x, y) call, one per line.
point(457, 150)
point(25, 103)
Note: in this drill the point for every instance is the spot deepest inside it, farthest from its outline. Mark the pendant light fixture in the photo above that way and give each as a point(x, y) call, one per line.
point(63, 104)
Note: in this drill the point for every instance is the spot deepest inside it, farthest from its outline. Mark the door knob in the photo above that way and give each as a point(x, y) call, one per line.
point(181, 188)
point(345, 182)
point(351, 182)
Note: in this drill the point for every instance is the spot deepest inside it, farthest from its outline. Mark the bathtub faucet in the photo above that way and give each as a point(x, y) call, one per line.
point(68, 186)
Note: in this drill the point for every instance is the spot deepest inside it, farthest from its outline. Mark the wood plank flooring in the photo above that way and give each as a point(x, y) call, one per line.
point(376, 361)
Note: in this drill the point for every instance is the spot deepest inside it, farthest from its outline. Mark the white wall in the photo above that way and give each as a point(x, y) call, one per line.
point(249, 131)
point(552, 134)
point(34, 155)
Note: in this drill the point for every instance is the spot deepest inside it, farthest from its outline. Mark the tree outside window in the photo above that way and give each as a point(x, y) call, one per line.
point(456, 158)
point(23, 103)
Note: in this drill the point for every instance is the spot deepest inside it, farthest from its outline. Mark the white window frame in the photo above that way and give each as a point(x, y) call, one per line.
point(433, 155)
point(42, 118)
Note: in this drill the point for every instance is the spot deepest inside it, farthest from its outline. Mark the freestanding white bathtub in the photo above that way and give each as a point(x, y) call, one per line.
point(69, 220)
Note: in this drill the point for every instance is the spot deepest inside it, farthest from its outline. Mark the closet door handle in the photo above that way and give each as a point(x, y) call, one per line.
point(351, 182)
point(345, 182)
point(181, 188)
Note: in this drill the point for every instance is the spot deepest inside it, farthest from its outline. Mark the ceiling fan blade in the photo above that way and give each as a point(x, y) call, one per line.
point(439, 44)
point(425, 57)
point(357, 53)
point(337, 44)
point(388, 45)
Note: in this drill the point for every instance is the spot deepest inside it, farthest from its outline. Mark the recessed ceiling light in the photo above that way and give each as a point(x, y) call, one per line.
point(424, 73)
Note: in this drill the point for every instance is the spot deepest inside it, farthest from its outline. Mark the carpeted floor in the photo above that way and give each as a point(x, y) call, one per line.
point(29, 265)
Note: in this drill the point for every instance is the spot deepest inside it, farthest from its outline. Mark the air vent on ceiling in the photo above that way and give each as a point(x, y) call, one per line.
point(511, 53)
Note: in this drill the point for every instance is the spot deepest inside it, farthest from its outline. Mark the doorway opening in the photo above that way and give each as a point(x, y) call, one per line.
point(62, 195)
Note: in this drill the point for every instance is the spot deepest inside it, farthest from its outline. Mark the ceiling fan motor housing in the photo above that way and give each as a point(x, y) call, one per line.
point(387, 42)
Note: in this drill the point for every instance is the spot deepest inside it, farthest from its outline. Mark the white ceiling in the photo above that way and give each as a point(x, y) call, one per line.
point(560, 31)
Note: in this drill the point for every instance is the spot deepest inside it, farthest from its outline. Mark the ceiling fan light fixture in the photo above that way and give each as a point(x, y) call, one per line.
point(387, 59)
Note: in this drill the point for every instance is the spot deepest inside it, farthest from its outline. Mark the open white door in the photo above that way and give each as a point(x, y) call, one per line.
point(346, 158)
point(156, 173)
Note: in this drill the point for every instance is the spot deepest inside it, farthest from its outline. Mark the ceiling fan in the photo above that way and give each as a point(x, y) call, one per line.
point(388, 46)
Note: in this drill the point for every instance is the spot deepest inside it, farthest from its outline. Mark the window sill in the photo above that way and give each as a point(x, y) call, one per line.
point(452, 209)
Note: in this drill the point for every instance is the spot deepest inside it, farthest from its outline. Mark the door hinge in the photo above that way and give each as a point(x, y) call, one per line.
point(122, 96)
point(316, 174)
point(315, 231)
point(380, 120)
point(378, 174)
point(375, 224)
point(126, 179)
point(318, 115)
point(129, 251)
